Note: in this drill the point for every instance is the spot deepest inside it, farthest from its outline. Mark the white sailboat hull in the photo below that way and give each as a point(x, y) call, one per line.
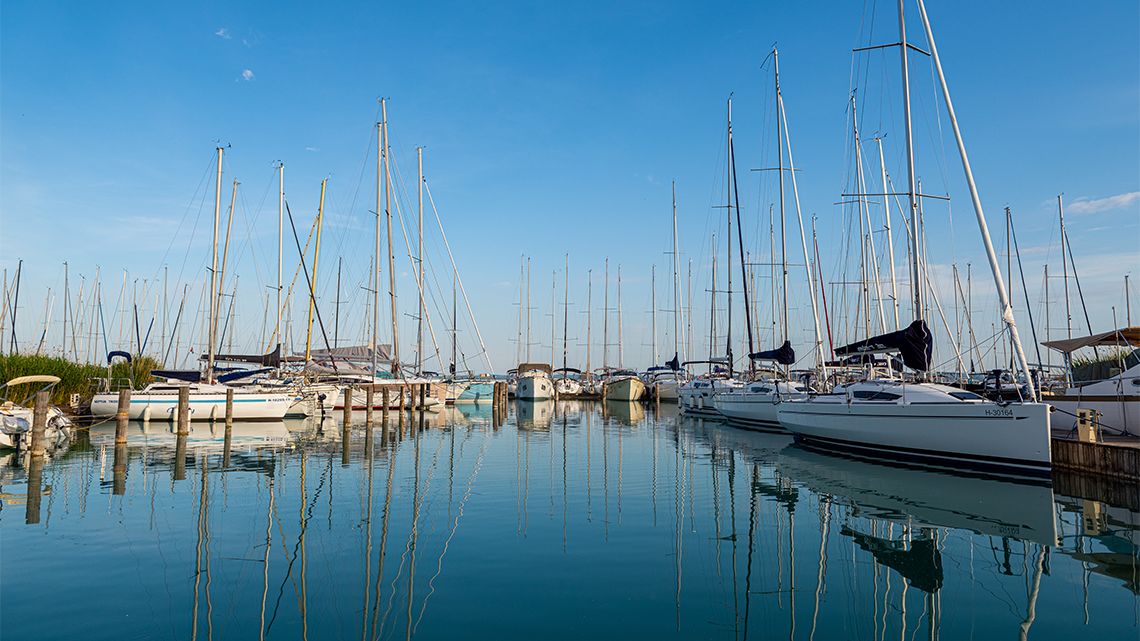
point(625, 389)
point(983, 436)
point(535, 388)
point(750, 410)
point(204, 405)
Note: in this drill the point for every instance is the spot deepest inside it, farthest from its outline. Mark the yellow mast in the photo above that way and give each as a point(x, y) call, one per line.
point(313, 281)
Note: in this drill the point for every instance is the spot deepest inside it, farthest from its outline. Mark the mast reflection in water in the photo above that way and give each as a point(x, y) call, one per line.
point(567, 520)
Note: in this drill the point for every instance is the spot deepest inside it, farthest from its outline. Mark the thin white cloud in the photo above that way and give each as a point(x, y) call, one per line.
point(247, 74)
point(1108, 203)
point(311, 149)
point(223, 33)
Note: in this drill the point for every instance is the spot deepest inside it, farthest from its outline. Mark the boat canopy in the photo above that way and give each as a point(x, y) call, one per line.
point(358, 353)
point(111, 356)
point(34, 378)
point(570, 370)
point(783, 355)
point(1126, 336)
point(914, 344)
point(540, 367)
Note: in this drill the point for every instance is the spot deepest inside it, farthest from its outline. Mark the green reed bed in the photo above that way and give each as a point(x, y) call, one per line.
point(75, 378)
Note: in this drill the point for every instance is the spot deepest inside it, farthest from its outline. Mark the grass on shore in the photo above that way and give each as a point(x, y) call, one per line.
point(75, 378)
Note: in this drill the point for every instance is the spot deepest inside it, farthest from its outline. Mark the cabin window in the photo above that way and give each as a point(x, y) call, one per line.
point(966, 396)
point(867, 395)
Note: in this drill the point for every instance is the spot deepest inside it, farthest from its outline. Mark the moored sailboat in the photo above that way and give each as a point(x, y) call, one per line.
point(922, 422)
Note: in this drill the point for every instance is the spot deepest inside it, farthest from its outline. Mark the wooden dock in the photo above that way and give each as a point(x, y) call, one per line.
point(1113, 460)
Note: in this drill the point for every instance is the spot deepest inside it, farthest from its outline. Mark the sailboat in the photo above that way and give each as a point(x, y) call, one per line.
point(696, 396)
point(665, 382)
point(920, 422)
point(757, 403)
point(207, 397)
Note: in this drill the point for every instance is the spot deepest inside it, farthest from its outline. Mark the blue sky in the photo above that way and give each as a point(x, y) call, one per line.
point(548, 130)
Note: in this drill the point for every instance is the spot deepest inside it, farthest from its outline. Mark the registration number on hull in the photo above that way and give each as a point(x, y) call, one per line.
point(999, 412)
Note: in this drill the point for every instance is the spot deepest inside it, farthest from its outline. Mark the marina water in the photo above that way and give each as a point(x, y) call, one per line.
point(568, 520)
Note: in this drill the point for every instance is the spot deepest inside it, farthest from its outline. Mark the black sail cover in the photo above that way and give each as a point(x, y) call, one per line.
point(783, 355)
point(914, 344)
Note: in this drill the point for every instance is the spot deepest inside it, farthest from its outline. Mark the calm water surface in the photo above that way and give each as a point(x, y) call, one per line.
point(567, 521)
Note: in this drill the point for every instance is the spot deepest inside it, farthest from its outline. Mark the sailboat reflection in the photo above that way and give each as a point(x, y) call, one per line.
point(535, 415)
point(626, 412)
point(922, 497)
point(249, 434)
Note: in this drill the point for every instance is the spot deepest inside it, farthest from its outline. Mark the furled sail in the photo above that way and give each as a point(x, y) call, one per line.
point(783, 355)
point(914, 343)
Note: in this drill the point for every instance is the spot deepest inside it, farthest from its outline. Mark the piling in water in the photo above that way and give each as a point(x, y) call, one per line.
point(35, 490)
point(347, 405)
point(369, 398)
point(122, 416)
point(39, 423)
point(183, 410)
point(119, 470)
point(229, 408)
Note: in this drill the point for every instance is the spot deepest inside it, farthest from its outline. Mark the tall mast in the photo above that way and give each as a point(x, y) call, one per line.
point(653, 309)
point(1065, 269)
point(519, 324)
point(391, 244)
point(280, 248)
point(912, 193)
point(712, 305)
point(676, 281)
point(420, 266)
point(213, 275)
point(740, 242)
point(780, 173)
point(66, 297)
point(863, 232)
point(589, 295)
point(313, 280)
point(553, 313)
point(689, 315)
point(820, 360)
point(528, 309)
point(621, 341)
point(454, 322)
point(1007, 309)
point(890, 237)
point(728, 238)
point(565, 310)
point(1048, 352)
point(377, 249)
point(606, 316)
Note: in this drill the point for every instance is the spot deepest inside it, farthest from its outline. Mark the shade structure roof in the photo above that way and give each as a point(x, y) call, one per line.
point(1124, 336)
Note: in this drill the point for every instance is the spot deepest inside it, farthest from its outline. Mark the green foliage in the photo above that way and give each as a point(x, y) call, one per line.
point(75, 378)
point(1098, 366)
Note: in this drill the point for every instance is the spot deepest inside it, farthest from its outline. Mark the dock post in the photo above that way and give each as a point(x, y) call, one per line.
point(39, 423)
point(183, 410)
point(423, 396)
point(369, 400)
point(229, 408)
point(404, 392)
point(347, 406)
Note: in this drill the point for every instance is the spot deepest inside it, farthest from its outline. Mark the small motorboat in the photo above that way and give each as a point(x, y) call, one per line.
point(16, 415)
